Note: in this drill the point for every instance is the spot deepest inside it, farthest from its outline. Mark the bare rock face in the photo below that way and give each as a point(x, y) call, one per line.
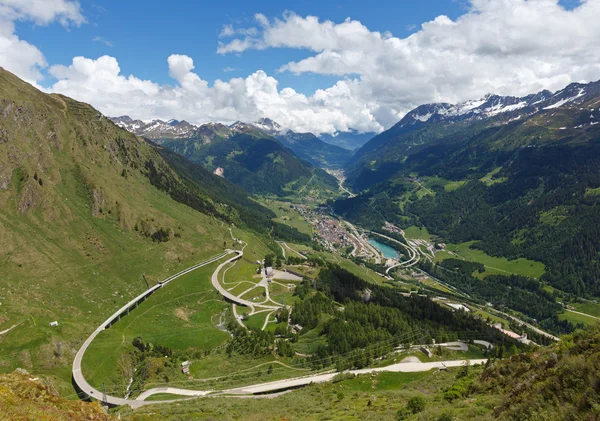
point(30, 198)
point(98, 202)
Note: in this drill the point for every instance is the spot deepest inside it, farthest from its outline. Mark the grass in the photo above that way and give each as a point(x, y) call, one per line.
point(383, 381)
point(436, 183)
point(588, 308)
point(494, 265)
point(577, 318)
point(490, 178)
point(309, 342)
point(256, 321)
point(287, 215)
point(415, 233)
point(366, 397)
point(177, 316)
point(77, 247)
point(495, 319)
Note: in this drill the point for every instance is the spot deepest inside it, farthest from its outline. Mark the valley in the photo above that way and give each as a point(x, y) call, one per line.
point(138, 275)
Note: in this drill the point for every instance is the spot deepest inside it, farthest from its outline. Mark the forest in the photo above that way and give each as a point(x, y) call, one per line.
point(362, 321)
point(541, 204)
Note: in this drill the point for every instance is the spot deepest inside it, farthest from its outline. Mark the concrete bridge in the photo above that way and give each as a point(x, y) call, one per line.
point(79, 381)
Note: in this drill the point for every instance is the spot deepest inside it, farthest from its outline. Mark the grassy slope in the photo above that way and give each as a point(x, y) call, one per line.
point(366, 397)
point(495, 265)
point(70, 249)
point(24, 399)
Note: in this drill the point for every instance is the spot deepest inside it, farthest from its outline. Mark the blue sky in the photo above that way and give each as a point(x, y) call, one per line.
point(320, 66)
point(143, 33)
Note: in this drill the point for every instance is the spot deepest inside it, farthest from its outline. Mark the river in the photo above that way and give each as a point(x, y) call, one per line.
point(388, 252)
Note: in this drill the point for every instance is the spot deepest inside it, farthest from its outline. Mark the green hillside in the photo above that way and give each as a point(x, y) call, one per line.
point(88, 214)
point(310, 148)
point(514, 189)
point(254, 161)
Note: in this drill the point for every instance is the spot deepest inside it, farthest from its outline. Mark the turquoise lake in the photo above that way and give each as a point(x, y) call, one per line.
point(388, 252)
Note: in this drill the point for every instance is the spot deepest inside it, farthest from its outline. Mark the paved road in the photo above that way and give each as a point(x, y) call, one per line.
point(321, 378)
point(406, 367)
point(78, 376)
point(229, 295)
point(571, 311)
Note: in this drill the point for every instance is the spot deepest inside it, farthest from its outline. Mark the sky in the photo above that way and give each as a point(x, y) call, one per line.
point(319, 66)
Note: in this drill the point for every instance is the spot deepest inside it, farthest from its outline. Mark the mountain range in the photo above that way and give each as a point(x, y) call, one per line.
point(431, 122)
point(515, 177)
point(306, 146)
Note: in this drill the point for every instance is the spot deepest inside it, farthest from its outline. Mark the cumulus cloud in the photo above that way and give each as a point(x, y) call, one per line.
point(42, 12)
point(101, 83)
point(228, 31)
point(17, 55)
point(509, 47)
point(501, 46)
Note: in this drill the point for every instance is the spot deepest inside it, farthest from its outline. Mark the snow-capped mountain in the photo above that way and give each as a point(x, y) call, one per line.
point(501, 106)
point(268, 126)
point(156, 129)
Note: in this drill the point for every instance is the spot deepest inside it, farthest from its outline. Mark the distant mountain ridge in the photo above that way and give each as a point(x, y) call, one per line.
point(497, 105)
point(306, 146)
point(432, 122)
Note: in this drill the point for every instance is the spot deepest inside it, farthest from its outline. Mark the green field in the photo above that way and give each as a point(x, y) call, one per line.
point(435, 183)
point(577, 318)
point(375, 396)
point(495, 319)
point(587, 307)
point(309, 342)
point(256, 321)
point(493, 265)
point(490, 178)
point(177, 316)
point(415, 233)
point(286, 214)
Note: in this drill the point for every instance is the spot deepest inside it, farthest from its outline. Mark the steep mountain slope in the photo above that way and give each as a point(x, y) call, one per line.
point(306, 146)
point(245, 155)
point(86, 209)
point(24, 397)
point(520, 184)
point(351, 140)
point(446, 124)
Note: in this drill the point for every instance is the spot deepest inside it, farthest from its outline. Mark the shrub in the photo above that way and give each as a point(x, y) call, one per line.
point(416, 404)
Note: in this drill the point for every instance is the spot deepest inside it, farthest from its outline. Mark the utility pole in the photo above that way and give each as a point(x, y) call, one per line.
point(104, 398)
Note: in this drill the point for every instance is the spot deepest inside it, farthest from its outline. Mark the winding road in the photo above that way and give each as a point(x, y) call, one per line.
point(269, 389)
point(79, 378)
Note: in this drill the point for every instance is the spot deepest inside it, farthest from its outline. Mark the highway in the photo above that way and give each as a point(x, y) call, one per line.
point(77, 373)
point(279, 385)
point(228, 295)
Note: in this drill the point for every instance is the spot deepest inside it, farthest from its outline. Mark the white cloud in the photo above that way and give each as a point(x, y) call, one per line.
point(101, 83)
point(42, 12)
point(17, 55)
point(228, 31)
point(501, 46)
point(104, 41)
